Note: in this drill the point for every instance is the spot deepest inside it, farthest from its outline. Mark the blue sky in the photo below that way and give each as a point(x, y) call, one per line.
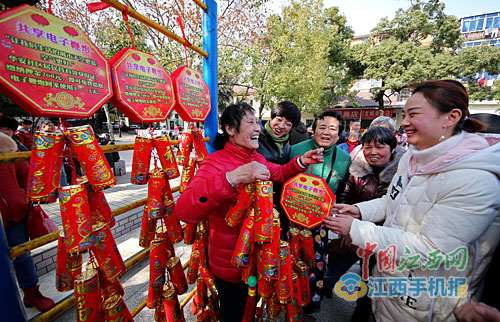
point(363, 15)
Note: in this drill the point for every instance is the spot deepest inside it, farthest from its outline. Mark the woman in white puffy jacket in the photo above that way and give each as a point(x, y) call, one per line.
point(441, 211)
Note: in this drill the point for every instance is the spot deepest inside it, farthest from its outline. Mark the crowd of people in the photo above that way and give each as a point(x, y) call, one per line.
point(427, 190)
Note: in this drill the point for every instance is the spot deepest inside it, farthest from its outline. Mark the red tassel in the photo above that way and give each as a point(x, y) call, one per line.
point(251, 300)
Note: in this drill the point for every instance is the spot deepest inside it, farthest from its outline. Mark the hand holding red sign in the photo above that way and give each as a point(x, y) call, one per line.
point(306, 199)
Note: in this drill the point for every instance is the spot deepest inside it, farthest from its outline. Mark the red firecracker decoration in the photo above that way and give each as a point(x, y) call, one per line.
point(45, 167)
point(263, 192)
point(115, 309)
point(199, 145)
point(173, 310)
point(245, 243)
point(194, 262)
point(100, 212)
point(185, 147)
point(187, 174)
point(294, 244)
point(238, 211)
point(284, 287)
point(88, 152)
point(177, 276)
point(303, 277)
point(75, 215)
point(307, 246)
point(249, 314)
point(148, 228)
point(88, 297)
point(141, 160)
point(155, 204)
point(174, 228)
point(68, 266)
point(166, 155)
point(106, 253)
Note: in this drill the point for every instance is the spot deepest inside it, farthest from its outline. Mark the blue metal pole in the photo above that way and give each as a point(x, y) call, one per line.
point(11, 308)
point(210, 69)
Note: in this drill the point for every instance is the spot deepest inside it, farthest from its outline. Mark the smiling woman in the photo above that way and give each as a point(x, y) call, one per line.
point(443, 198)
point(216, 186)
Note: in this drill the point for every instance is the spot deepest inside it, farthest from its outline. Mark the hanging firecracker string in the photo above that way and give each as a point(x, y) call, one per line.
point(186, 42)
point(49, 10)
point(125, 17)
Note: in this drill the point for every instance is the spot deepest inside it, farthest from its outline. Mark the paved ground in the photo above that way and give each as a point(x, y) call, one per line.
point(136, 279)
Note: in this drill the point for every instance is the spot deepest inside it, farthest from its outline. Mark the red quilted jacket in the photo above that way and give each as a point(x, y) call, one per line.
point(210, 195)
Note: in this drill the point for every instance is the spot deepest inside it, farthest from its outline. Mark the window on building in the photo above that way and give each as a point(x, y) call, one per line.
point(480, 23)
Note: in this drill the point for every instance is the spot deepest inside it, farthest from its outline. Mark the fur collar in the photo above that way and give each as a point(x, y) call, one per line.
point(7, 145)
point(360, 168)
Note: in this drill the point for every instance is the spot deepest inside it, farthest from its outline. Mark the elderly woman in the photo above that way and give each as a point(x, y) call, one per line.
point(215, 188)
point(334, 170)
point(369, 176)
point(441, 211)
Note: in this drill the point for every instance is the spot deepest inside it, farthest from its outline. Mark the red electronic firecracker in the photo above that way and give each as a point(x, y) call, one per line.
point(166, 156)
point(303, 278)
point(273, 307)
point(236, 214)
point(115, 309)
point(263, 206)
point(307, 246)
point(157, 263)
point(185, 147)
point(187, 174)
point(75, 215)
point(294, 242)
point(201, 293)
point(190, 233)
point(209, 280)
point(148, 228)
point(177, 276)
point(202, 246)
point(168, 195)
point(266, 287)
point(245, 243)
point(106, 253)
point(100, 212)
point(156, 183)
point(269, 262)
point(174, 228)
point(284, 287)
point(108, 287)
point(194, 263)
point(141, 160)
point(45, 167)
point(88, 152)
point(162, 233)
point(173, 310)
point(160, 314)
point(88, 297)
point(199, 145)
point(68, 266)
point(294, 312)
point(213, 309)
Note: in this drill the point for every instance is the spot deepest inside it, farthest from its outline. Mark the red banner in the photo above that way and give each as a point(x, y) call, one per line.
point(364, 114)
point(49, 67)
point(143, 88)
point(306, 199)
point(192, 94)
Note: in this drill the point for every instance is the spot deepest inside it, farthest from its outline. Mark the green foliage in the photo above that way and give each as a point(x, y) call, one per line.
point(422, 45)
point(301, 57)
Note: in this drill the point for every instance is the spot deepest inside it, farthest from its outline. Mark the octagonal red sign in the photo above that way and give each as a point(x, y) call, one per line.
point(49, 67)
point(192, 94)
point(306, 199)
point(143, 88)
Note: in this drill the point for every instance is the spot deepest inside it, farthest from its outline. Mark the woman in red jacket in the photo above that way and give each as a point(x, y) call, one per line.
point(13, 206)
point(215, 188)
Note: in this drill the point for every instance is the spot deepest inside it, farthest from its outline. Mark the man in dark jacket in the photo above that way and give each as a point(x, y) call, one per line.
point(299, 133)
point(24, 134)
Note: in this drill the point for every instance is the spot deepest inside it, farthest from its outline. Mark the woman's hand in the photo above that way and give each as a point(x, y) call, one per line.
point(345, 209)
point(340, 224)
point(249, 173)
point(312, 157)
point(476, 312)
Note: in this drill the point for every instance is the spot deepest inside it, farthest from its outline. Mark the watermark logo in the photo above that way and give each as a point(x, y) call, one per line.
point(350, 287)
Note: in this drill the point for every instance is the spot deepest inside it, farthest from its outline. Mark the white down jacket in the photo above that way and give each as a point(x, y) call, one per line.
point(441, 198)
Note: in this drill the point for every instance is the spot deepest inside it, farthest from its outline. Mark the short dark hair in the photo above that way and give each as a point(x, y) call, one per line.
point(9, 122)
point(380, 135)
point(330, 113)
point(232, 116)
point(26, 122)
point(287, 109)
